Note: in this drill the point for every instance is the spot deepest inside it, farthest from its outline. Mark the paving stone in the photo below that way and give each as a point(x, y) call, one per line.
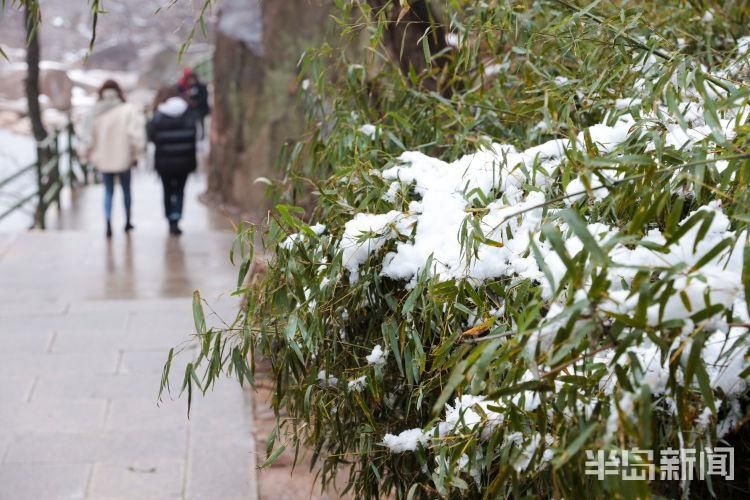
point(95, 341)
point(88, 343)
point(22, 324)
point(209, 414)
point(143, 445)
point(6, 240)
point(134, 414)
point(222, 456)
point(5, 439)
point(43, 481)
point(93, 386)
point(15, 389)
point(157, 479)
point(221, 472)
point(102, 447)
point(158, 322)
point(145, 362)
point(49, 364)
point(219, 311)
point(54, 415)
point(126, 497)
point(32, 341)
point(35, 308)
point(45, 447)
point(158, 340)
point(105, 321)
point(131, 305)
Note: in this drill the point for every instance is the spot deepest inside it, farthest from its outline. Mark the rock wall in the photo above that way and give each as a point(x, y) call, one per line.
point(256, 109)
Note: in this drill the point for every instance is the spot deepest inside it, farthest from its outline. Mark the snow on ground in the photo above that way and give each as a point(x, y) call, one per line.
point(93, 78)
point(16, 151)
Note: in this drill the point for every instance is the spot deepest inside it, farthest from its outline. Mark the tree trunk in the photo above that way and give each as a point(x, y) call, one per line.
point(255, 112)
point(255, 109)
point(404, 32)
point(32, 77)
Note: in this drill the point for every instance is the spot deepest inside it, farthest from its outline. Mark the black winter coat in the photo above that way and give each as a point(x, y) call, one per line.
point(174, 138)
point(198, 99)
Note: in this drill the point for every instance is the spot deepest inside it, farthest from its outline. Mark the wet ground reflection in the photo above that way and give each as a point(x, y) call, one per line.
point(81, 262)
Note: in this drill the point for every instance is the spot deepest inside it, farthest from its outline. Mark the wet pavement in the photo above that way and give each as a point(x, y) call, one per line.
point(85, 327)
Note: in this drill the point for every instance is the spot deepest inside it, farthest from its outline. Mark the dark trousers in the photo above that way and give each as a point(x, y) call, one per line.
point(174, 195)
point(202, 127)
point(109, 191)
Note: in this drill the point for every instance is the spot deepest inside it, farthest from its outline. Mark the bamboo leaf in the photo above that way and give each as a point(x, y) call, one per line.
point(273, 457)
point(580, 230)
point(198, 318)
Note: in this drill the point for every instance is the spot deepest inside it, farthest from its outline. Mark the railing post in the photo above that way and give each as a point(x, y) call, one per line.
point(72, 178)
point(58, 176)
point(40, 209)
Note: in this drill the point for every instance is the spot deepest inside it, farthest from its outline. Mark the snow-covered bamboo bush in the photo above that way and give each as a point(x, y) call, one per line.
point(547, 254)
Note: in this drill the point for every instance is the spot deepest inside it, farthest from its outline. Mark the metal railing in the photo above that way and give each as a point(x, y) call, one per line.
point(51, 175)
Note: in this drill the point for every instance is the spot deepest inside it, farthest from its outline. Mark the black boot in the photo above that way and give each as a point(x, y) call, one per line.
point(174, 229)
point(128, 226)
point(109, 229)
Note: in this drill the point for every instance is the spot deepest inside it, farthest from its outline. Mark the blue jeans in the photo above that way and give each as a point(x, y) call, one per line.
point(109, 191)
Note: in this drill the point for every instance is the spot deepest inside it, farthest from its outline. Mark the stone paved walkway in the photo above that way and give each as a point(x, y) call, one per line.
point(85, 326)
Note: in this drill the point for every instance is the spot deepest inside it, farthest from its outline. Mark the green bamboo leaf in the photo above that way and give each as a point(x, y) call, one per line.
point(164, 384)
point(426, 50)
point(541, 263)
point(694, 357)
point(713, 253)
point(198, 318)
point(571, 450)
point(455, 379)
point(412, 491)
point(273, 457)
point(710, 114)
point(645, 416)
point(673, 217)
point(555, 238)
point(705, 386)
point(703, 229)
point(579, 228)
point(532, 385)
point(391, 332)
point(688, 224)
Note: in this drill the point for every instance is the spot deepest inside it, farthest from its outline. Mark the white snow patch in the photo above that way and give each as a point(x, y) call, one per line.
point(377, 356)
point(357, 384)
point(407, 440)
point(369, 130)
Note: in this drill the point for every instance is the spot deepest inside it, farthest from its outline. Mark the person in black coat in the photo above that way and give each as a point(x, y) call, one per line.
point(172, 129)
point(195, 93)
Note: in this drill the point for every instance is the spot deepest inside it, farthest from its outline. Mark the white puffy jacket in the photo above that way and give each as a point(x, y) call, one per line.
point(117, 137)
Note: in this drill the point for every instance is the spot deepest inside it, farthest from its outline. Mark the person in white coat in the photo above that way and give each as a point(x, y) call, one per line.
point(116, 140)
